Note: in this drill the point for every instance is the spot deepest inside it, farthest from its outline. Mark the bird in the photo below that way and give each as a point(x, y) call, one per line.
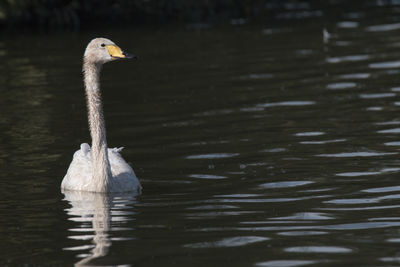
point(99, 168)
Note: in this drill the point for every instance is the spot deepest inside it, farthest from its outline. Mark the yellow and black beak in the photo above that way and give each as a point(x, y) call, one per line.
point(117, 53)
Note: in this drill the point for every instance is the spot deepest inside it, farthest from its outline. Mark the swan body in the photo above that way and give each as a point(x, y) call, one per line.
point(80, 172)
point(99, 168)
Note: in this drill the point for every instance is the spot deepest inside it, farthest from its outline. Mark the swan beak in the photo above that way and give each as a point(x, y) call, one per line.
point(117, 53)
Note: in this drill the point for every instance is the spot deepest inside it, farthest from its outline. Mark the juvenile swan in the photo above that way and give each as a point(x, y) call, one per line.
point(99, 169)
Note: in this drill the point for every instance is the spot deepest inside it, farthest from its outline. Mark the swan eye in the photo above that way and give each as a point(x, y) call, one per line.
point(103, 45)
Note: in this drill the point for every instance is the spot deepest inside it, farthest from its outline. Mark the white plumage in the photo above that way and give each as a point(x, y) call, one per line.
point(99, 169)
point(80, 172)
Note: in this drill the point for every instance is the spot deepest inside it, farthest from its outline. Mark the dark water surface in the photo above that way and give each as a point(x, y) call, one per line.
point(255, 147)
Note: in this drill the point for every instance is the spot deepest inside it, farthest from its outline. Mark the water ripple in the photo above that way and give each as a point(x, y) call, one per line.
point(285, 184)
point(355, 174)
point(385, 65)
point(318, 249)
point(302, 233)
point(213, 156)
point(286, 103)
point(260, 200)
point(239, 195)
point(347, 24)
point(382, 207)
point(275, 30)
point(352, 201)
point(373, 96)
point(395, 122)
point(383, 27)
point(356, 154)
point(322, 142)
point(350, 58)
point(361, 226)
point(393, 240)
point(212, 207)
point(382, 189)
point(229, 242)
point(207, 176)
point(374, 108)
point(338, 227)
point(257, 76)
point(305, 216)
point(342, 85)
point(285, 263)
point(394, 143)
point(393, 131)
point(310, 134)
point(274, 150)
point(355, 76)
point(83, 247)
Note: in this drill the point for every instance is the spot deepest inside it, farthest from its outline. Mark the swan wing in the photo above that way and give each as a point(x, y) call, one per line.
point(79, 172)
point(124, 178)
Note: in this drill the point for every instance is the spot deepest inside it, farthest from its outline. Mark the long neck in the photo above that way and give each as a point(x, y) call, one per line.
point(101, 165)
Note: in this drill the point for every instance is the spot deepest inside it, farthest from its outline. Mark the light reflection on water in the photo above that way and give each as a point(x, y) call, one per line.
point(251, 148)
point(318, 249)
point(97, 215)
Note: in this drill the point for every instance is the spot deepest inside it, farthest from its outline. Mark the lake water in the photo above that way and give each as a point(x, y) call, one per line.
point(255, 145)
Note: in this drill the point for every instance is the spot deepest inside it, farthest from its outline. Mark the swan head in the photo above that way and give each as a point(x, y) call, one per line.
point(102, 50)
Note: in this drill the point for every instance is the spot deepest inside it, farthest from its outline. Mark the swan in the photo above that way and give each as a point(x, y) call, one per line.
point(99, 168)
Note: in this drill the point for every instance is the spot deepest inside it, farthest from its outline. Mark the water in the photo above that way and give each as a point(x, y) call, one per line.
point(256, 146)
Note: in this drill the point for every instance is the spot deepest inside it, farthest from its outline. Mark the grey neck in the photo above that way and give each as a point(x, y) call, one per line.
point(101, 165)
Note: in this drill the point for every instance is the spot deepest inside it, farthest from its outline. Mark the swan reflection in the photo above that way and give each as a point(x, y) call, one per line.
point(99, 214)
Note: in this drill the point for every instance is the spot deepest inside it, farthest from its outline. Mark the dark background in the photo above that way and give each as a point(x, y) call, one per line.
point(83, 14)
